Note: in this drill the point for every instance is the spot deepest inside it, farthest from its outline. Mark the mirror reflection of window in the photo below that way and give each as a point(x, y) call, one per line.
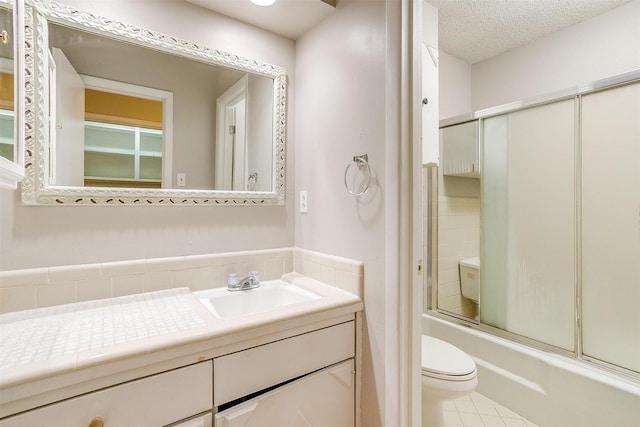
point(6, 86)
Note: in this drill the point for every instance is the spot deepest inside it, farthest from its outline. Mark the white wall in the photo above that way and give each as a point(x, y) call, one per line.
point(32, 236)
point(455, 86)
point(341, 100)
point(598, 48)
point(430, 83)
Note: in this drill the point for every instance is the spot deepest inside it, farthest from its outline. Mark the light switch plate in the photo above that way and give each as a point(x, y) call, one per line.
point(182, 179)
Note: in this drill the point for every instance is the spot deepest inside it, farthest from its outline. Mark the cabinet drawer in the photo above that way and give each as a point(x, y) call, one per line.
point(153, 401)
point(252, 370)
point(325, 398)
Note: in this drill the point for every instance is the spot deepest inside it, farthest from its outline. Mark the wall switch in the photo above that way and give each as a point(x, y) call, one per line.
point(303, 202)
point(182, 179)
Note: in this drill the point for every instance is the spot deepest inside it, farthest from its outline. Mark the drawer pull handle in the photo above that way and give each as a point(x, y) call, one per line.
point(97, 422)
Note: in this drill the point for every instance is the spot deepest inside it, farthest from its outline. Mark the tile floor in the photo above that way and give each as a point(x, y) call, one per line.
point(477, 410)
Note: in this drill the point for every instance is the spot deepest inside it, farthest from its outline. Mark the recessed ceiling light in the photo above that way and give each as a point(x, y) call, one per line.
point(263, 2)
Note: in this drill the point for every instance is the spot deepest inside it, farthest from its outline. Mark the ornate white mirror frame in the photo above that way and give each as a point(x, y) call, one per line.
point(12, 172)
point(36, 189)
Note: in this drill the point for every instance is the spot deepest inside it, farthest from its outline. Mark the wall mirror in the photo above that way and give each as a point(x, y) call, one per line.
point(119, 115)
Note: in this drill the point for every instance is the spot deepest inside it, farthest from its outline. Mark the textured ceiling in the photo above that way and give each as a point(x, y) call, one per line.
point(474, 30)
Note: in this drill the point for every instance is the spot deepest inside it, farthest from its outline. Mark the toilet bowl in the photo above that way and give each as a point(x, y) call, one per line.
point(447, 373)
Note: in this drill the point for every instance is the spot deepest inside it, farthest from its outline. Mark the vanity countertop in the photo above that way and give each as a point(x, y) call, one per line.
point(45, 345)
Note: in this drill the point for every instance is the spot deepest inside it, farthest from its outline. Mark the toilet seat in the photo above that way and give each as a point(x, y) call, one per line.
point(444, 361)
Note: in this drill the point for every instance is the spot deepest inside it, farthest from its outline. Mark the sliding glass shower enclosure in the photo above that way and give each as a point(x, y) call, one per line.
point(559, 223)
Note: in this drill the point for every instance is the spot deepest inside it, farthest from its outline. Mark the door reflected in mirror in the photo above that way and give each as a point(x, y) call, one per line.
point(133, 117)
point(7, 147)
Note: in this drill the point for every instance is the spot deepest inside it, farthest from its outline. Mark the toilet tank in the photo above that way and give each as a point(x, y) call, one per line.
point(470, 278)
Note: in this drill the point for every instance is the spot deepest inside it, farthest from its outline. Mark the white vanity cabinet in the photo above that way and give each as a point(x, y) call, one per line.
point(324, 398)
point(307, 379)
point(154, 401)
point(461, 150)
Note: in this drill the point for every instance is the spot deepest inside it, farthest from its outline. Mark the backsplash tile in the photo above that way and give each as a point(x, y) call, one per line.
point(34, 276)
point(70, 273)
point(17, 298)
point(341, 272)
point(56, 293)
point(43, 287)
point(127, 285)
point(94, 289)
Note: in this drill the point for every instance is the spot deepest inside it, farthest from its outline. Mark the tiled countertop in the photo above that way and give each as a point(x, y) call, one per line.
point(49, 333)
point(49, 342)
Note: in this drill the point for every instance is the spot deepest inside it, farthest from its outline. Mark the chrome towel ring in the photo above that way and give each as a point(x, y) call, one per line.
point(360, 161)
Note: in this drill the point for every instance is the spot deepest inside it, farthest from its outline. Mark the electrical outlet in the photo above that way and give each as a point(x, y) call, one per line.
point(181, 179)
point(304, 207)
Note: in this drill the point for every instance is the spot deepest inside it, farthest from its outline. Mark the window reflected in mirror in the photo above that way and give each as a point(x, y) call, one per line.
point(7, 115)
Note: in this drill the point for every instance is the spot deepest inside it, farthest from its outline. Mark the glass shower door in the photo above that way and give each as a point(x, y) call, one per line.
point(528, 250)
point(611, 226)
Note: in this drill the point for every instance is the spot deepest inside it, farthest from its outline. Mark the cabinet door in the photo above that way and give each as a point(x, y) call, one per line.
point(326, 398)
point(153, 401)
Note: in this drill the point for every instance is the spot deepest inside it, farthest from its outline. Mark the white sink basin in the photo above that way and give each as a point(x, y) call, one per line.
point(271, 293)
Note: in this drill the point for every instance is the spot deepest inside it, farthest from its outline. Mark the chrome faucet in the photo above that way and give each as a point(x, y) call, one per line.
point(250, 282)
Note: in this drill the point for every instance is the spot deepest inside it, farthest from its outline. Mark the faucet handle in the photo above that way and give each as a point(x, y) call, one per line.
point(233, 279)
point(255, 276)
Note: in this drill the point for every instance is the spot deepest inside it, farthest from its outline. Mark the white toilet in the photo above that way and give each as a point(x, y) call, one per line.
point(447, 373)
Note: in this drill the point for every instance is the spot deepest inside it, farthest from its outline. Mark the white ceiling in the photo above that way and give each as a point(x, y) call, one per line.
point(289, 18)
point(471, 30)
point(474, 30)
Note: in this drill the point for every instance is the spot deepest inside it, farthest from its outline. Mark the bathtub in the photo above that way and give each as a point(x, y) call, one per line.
point(548, 389)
